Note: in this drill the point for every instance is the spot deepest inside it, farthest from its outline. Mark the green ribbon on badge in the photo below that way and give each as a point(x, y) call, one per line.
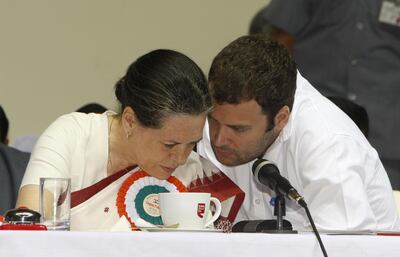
point(146, 203)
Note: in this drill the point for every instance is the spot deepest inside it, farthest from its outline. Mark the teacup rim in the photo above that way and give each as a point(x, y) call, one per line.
point(186, 193)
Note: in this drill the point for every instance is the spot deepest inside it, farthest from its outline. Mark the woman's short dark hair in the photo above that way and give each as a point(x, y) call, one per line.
point(254, 67)
point(92, 108)
point(3, 126)
point(163, 83)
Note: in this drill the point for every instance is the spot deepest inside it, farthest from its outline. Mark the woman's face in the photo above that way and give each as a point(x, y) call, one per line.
point(160, 151)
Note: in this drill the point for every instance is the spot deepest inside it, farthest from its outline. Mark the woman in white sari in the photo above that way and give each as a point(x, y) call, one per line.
point(144, 149)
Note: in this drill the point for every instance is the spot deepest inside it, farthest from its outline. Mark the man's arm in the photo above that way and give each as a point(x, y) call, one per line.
point(345, 185)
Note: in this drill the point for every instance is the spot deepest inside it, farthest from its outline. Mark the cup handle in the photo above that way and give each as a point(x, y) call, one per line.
point(217, 211)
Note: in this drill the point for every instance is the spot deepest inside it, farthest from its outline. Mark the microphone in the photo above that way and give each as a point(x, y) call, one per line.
point(267, 173)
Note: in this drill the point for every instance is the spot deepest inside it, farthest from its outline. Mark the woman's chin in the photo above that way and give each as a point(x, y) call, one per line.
point(162, 174)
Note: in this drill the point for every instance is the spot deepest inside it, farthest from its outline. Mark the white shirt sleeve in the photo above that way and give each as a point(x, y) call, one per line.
point(344, 184)
point(54, 150)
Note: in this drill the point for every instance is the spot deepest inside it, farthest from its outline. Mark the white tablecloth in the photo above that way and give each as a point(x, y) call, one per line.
point(164, 244)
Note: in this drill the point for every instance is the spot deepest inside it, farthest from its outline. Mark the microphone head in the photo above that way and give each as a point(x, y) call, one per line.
point(256, 164)
point(265, 164)
point(265, 172)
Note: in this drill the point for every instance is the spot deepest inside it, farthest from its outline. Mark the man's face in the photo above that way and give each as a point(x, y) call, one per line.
point(239, 132)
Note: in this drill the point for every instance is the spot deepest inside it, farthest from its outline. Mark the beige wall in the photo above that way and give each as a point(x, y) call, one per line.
point(58, 55)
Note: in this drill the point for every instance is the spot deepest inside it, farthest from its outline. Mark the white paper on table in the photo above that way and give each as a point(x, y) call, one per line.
point(122, 225)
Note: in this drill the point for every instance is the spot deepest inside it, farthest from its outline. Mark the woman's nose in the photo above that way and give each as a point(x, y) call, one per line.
point(181, 154)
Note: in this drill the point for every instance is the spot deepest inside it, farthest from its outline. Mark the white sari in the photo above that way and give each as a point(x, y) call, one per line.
point(100, 206)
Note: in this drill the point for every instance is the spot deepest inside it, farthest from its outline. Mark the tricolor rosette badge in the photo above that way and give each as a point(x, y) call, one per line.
point(137, 196)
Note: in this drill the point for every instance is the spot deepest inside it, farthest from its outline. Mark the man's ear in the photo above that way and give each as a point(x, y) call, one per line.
point(128, 120)
point(282, 117)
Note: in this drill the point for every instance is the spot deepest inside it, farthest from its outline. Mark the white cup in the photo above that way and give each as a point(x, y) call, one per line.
point(188, 210)
point(55, 203)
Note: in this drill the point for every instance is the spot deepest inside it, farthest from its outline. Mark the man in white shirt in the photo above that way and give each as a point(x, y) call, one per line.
point(265, 109)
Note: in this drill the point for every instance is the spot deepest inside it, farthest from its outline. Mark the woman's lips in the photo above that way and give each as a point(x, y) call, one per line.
point(168, 170)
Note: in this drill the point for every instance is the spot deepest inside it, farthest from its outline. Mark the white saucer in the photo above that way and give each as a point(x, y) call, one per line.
point(154, 229)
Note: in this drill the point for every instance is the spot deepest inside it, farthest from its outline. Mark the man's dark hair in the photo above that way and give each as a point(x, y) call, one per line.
point(254, 67)
point(3, 126)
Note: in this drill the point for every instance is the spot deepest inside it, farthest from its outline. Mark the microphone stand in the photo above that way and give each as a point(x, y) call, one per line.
point(279, 211)
point(278, 226)
point(273, 226)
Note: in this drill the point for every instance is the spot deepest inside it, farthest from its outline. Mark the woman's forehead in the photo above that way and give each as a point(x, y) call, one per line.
point(182, 128)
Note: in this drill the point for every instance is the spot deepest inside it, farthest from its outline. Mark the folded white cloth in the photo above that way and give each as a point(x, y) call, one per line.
point(121, 225)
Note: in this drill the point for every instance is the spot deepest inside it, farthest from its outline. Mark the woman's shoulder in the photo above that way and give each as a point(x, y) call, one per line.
point(82, 119)
point(77, 122)
point(73, 127)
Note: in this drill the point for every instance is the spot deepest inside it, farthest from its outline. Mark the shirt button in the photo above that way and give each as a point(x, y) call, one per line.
point(351, 96)
point(257, 201)
point(354, 62)
point(360, 25)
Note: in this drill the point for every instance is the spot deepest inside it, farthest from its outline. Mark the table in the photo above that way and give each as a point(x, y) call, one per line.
point(190, 244)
